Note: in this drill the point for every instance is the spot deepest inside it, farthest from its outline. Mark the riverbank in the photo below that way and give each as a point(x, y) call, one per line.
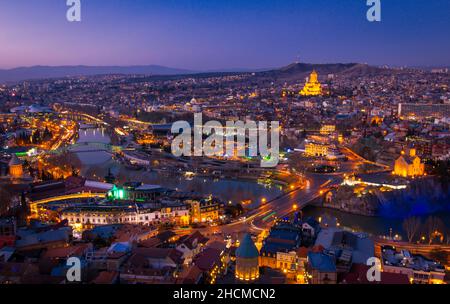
point(378, 226)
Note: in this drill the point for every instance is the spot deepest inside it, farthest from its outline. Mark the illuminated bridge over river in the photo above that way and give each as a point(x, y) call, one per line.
point(87, 147)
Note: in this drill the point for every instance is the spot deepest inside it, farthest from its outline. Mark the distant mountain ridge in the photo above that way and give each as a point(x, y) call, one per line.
point(41, 72)
point(297, 71)
point(294, 71)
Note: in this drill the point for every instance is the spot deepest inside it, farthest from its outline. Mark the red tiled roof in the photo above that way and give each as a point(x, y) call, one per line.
point(74, 182)
point(189, 240)
point(85, 189)
point(191, 276)
point(150, 243)
point(302, 252)
point(280, 241)
point(318, 248)
point(70, 185)
point(358, 275)
point(207, 259)
point(159, 253)
point(217, 245)
point(64, 252)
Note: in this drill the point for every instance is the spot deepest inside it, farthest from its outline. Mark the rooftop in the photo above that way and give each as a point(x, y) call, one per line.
point(404, 258)
point(358, 275)
point(358, 246)
point(321, 262)
point(247, 248)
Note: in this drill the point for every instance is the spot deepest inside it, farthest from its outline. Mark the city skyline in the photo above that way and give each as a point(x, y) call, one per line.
point(234, 146)
point(252, 35)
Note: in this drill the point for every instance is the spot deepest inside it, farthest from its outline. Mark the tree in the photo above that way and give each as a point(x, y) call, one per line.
point(65, 161)
point(75, 171)
point(443, 171)
point(411, 225)
point(94, 172)
point(234, 210)
point(5, 200)
point(433, 224)
point(47, 134)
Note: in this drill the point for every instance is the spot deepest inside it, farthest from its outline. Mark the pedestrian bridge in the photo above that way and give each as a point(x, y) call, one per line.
point(85, 147)
point(83, 117)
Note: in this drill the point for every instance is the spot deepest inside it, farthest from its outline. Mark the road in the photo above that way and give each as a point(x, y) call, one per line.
point(359, 159)
point(263, 217)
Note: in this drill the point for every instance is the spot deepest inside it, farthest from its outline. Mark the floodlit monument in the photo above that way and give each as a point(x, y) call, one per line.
point(409, 165)
point(312, 86)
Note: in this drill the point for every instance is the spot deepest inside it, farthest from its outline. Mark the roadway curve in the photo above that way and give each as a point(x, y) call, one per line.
point(33, 205)
point(263, 217)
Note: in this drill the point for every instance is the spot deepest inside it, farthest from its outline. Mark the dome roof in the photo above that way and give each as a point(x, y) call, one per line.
point(247, 248)
point(14, 160)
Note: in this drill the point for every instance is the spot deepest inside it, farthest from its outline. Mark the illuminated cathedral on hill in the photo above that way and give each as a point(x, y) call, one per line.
point(312, 86)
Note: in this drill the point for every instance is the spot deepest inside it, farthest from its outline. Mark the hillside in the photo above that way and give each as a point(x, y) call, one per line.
point(40, 72)
point(299, 71)
point(292, 72)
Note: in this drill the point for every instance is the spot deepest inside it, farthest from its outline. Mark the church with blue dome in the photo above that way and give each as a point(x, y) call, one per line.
point(247, 264)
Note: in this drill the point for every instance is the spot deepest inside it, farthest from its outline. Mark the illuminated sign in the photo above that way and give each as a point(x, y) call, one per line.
point(116, 193)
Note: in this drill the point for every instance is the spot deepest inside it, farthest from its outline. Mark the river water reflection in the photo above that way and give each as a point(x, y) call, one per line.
point(377, 226)
point(97, 164)
point(92, 135)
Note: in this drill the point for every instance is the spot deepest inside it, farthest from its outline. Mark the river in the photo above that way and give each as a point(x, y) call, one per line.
point(94, 135)
point(377, 226)
point(96, 165)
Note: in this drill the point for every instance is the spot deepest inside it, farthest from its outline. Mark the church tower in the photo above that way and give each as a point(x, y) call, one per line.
point(312, 86)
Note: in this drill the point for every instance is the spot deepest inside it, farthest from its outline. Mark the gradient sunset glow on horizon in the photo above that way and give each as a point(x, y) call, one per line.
point(207, 35)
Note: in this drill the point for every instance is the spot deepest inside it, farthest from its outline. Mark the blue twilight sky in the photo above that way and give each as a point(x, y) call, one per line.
point(214, 34)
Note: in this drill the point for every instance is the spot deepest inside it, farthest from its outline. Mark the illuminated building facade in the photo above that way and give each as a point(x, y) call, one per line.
point(316, 149)
point(268, 259)
point(247, 265)
point(327, 129)
point(287, 261)
point(312, 86)
point(88, 216)
point(279, 248)
point(15, 167)
point(409, 165)
point(206, 210)
point(135, 191)
point(419, 111)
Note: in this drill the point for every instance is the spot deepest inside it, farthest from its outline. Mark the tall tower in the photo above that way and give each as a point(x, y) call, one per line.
point(247, 264)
